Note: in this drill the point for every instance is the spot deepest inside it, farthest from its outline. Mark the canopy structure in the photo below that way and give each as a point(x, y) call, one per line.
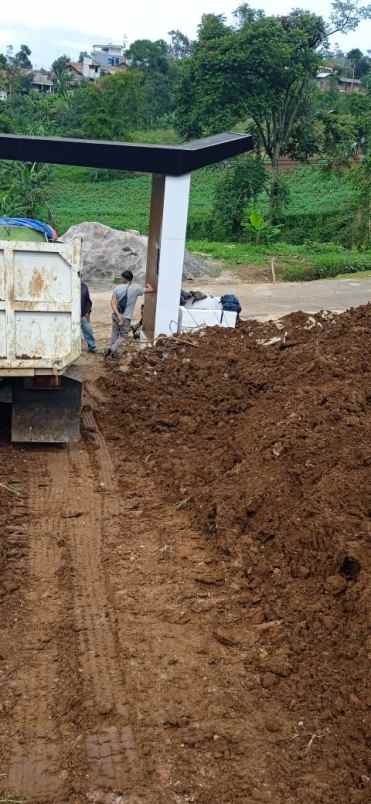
point(171, 167)
point(167, 160)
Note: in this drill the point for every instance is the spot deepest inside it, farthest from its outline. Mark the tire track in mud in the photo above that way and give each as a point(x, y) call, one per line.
point(34, 762)
point(111, 754)
point(73, 737)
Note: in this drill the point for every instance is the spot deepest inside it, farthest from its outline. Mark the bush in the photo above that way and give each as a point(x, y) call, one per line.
point(24, 189)
point(327, 265)
point(200, 227)
point(318, 226)
point(322, 248)
point(298, 273)
point(242, 180)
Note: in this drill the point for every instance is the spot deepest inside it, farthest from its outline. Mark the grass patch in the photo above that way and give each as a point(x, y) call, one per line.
point(357, 275)
point(121, 201)
point(75, 197)
point(293, 262)
point(157, 136)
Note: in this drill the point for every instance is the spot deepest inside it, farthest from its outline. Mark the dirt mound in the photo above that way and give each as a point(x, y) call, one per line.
point(107, 252)
point(262, 437)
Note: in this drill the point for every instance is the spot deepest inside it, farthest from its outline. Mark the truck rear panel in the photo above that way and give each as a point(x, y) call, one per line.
point(39, 307)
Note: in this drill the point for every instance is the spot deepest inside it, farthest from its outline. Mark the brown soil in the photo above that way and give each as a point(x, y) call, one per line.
point(185, 605)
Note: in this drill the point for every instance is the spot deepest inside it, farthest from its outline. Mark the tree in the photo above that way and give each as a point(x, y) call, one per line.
point(208, 97)
point(261, 68)
point(108, 109)
point(339, 145)
point(159, 70)
point(360, 64)
point(61, 70)
point(241, 182)
point(305, 139)
point(361, 178)
point(22, 58)
point(180, 45)
point(244, 14)
point(146, 55)
point(346, 16)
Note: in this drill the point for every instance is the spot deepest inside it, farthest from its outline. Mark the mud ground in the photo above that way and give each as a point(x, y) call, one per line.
point(185, 605)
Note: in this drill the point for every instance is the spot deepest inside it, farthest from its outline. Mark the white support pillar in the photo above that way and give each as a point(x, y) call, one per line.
point(166, 245)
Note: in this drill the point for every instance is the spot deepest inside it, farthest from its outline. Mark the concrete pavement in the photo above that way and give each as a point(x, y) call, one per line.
point(265, 301)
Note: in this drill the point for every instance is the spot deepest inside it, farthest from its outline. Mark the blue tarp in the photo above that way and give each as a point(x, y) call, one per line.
point(30, 223)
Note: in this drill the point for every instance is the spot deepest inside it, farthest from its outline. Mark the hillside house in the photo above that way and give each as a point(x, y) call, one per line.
point(349, 85)
point(42, 81)
point(108, 56)
point(91, 69)
point(328, 80)
point(103, 60)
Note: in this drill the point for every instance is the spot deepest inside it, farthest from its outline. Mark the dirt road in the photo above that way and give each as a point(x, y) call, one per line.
point(184, 595)
point(67, 729)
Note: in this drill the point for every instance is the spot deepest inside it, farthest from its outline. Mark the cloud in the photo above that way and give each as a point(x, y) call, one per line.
point(49, 43)
point(69, 27)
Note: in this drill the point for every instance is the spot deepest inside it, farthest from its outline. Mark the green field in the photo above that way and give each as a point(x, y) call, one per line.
point(315, 234)
point(122, 203)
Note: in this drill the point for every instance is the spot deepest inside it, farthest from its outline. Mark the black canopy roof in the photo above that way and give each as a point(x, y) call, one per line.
point(171, 160)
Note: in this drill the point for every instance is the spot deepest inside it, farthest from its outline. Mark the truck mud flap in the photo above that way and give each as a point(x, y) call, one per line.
point(46, 415)
point(6, 392)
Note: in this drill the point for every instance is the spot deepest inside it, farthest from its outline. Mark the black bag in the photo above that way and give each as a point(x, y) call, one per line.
point(231, 303)
point(184, 297)
point(122, 303)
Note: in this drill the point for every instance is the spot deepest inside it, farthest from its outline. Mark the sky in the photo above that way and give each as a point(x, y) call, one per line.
point(52, 29)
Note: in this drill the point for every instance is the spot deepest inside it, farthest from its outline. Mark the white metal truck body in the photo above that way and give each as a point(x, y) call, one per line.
point(40, 339)
point(39, 307)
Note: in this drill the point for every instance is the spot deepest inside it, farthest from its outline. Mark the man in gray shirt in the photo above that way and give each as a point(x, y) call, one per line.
point(123, 302)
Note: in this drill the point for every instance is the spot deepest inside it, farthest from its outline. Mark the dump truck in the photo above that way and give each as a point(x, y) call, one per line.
point(40, 339)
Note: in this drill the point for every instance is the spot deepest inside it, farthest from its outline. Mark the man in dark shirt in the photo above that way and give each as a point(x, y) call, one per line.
point(86, 327)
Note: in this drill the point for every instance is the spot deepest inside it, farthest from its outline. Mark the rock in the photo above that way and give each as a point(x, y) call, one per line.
point(335, 584)
point(10, 586)
point(303, 572)
point(210, 577)
point(268, 680)
point(278, 664)
point(273, 724)
point(227, 637)
point(107, 252)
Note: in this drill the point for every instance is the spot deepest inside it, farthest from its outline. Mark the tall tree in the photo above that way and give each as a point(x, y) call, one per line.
point(261, 69)
point(359, 63)
point(143, 54)
point(22, 58)
point(61, 70)
point(108, 109)
point(180, 45)
point(159, 70)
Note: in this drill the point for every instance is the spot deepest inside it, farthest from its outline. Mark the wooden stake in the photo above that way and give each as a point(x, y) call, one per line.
point(273, 270)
